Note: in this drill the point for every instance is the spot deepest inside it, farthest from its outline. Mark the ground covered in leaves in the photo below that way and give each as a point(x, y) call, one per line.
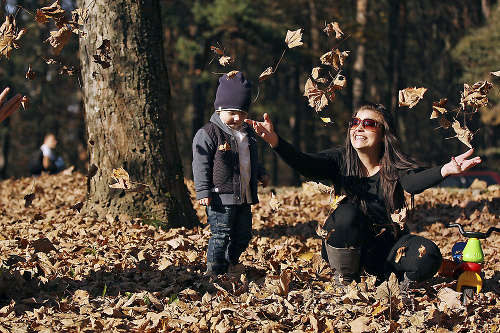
point(65, 271)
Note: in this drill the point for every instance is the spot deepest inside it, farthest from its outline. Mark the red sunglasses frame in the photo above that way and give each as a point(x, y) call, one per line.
point(355, 122)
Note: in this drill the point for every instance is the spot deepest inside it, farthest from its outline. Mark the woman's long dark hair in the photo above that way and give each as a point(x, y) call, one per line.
point(393, 161)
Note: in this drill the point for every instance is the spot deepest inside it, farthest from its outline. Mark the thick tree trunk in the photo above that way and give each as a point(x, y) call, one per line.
point(128, 114)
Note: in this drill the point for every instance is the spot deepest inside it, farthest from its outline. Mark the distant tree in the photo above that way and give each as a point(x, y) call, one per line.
point(128, 113)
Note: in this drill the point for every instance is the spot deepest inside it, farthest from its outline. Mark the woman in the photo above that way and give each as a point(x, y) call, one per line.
point(373, 172)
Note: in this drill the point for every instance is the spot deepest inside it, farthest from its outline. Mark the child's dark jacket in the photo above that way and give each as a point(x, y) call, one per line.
point(216, 167)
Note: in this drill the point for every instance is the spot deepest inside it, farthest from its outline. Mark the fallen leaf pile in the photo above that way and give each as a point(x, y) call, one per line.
point(66, 271)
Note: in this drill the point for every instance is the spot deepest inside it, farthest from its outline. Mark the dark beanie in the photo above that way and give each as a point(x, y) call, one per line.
point(233, 93)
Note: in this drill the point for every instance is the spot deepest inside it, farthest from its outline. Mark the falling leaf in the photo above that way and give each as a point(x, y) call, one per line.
point(333, 27)
point(58, 39)
point(54, 11)
point(28, 198)
point(421, 251)
point(122, 179)
point(294, 38)
point(336, 202)
point(265, 74)
point(400, 254)
point(463, 133)
point(231, 74)
point(321, 187)
point(40, 17)
point(274, 203)
point(8, 37)
point(411, 96)
point(315, 74)
point(317, 98)
point(444, 123)
point(339, 82)
point(25, 102)
point(497, 73)
point(334, 58)
point(92, 171)
point(439, 108)
point(475, 95)
point(217, 50)
point(225, 60)
point(30, 75)
point(326, 120)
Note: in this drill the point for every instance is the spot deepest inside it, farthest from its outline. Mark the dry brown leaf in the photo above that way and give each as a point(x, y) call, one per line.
point(274, 203)
point(399, 218)
point(122, 179)
point(58, 39)
point(445, 123)
point(497, 73)
point(102, 57)
point(326, 120)
point(400, 254)
point(28, 198)
point(54, 12)
point(43, 245)
point(30, 75)
point(225, 60)
point(265, 74)
point(333, 27)
point(411, 96)
point(421, 251)
point(8, 37)
point(92, 171)
point(388, 288)
point(216, 50)
point(40, 17)
point(294, 38)
point(334, 58)
point(317, 98)
point(25, 102)
point(361, 325)
point(463, 133)
point(231, 74)
point(439, 108)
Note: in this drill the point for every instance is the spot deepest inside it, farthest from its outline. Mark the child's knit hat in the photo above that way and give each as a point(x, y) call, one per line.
point(233, 93)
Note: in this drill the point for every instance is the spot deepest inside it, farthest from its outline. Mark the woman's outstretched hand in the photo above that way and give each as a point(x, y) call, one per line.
point(460, 163)
point(12, 104)
point(265, 130)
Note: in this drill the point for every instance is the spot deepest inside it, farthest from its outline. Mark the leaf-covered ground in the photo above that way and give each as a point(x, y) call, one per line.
point(64, 271)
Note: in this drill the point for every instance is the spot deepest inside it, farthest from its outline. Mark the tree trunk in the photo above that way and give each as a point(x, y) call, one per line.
point(359, 62)
point(128, 115)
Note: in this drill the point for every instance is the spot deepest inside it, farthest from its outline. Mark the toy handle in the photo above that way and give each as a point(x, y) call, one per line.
point(473, 234)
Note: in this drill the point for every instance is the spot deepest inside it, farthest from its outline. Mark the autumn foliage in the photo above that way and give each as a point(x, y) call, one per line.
point(68, 271)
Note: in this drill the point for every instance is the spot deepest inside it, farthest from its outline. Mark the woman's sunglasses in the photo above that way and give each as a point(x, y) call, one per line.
point(367, 124)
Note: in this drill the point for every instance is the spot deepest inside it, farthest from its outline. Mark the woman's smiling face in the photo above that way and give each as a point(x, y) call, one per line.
point(362, 139)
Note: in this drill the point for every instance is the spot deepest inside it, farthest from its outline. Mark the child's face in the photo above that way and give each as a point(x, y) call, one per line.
point(232, 118)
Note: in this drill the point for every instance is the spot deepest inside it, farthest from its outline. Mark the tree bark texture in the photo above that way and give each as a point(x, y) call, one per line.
point(128, 114)
point(359, 62)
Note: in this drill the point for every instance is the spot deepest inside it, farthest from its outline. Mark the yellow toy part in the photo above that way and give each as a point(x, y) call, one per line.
point(469, 279)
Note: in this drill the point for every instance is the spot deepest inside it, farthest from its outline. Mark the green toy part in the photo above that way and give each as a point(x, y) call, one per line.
point(473, 251)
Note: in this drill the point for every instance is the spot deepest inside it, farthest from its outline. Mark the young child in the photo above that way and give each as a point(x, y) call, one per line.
point(226, 173)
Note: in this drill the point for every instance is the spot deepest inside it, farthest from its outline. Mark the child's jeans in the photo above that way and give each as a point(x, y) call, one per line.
point(231, 227)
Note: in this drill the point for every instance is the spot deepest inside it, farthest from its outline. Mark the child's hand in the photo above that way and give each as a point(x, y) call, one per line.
point(204, 202)
point(264, 180)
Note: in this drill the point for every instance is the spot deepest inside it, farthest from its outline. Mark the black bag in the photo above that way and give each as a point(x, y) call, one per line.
point(36, 162)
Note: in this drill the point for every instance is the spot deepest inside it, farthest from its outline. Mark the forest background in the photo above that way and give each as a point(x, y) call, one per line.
point(393, 44)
